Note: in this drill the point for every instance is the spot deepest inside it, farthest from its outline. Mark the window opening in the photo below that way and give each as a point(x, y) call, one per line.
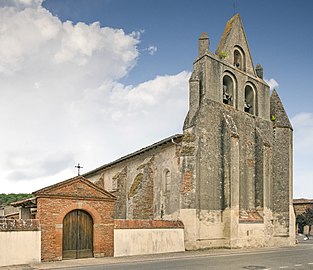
point(249, 100)
point(228, 91)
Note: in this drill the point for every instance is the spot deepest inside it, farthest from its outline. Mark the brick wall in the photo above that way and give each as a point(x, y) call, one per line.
point(142, 195)
point(55, 202)
point(51, 212)
point(147, 224)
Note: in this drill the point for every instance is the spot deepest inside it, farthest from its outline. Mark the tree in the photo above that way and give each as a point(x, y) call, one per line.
point(6, 199)
point(300, 222)
point(305, 219)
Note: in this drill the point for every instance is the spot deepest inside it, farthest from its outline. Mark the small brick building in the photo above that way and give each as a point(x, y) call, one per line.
point(77, 220)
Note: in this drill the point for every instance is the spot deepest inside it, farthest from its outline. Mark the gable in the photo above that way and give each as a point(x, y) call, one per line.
point(278, 113)
point(234, 44)
point(78, 187)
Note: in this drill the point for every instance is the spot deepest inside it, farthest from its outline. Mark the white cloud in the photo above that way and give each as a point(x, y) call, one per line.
point(152, 50)
point(21, 4)
point(61, 101)
point(303, 154)
point(273, 84)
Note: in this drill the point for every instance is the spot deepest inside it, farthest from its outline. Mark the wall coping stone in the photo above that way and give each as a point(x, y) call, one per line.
point(147, 224)
point(19, 225)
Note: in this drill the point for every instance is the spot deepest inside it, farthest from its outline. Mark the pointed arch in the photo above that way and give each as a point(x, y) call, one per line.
point(167, 180)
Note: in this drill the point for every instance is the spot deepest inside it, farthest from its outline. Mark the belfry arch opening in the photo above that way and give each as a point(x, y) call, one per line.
point(239, 58)
point(249, 104)
point(228, 90)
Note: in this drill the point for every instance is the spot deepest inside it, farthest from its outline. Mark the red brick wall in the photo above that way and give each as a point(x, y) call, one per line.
point(51, 212)
point(147, 224)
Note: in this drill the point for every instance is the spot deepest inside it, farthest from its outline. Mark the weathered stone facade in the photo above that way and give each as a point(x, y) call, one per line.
point(229, 176)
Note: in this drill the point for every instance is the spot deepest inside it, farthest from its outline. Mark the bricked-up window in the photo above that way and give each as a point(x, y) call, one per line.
point(134, 187)
point(115, 183)
point(167, 180)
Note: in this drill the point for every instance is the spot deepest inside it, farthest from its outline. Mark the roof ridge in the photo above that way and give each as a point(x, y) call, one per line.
point(142, 150)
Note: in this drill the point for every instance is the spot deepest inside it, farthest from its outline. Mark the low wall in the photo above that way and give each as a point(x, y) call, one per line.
point(135, 237)
point(20, 242)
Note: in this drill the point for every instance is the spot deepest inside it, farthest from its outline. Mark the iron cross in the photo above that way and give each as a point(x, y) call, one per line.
point(78, 168)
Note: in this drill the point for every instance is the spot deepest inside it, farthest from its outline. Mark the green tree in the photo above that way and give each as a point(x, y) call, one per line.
point(305, 219)
point(6, 199)
point(300, 222)
point(308, 218)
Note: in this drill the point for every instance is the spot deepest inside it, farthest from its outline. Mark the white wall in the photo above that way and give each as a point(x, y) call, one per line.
point(147, 241)
point(20, 247)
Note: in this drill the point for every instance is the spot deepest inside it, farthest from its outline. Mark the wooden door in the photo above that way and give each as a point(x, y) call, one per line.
point(77, 235)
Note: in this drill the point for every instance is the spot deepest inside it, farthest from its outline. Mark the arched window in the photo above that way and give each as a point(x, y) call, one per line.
point(229, 93)
point(165, 192)
point(249, 104)
point(167, 178)
point(239, 58)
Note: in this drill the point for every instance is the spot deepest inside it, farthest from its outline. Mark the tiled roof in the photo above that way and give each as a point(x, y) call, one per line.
point(302, 201)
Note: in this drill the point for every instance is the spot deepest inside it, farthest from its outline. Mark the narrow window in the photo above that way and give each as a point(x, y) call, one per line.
point(167, 176)
point(239, 58)
point(228, 90)
point(249, 104)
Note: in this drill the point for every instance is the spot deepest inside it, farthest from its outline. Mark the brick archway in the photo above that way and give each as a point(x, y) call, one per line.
point(80, 206)
point(77, 238)
point(55, 202)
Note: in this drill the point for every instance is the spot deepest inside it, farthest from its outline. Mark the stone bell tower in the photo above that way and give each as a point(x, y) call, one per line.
point(236, 156)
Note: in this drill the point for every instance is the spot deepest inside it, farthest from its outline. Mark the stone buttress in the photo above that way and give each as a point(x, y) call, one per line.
point(236, 153)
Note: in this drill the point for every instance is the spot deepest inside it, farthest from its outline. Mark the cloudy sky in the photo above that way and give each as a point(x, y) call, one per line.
point(90, 81)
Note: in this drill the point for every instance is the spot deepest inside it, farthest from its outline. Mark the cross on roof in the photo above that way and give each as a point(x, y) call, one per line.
point(78, 168)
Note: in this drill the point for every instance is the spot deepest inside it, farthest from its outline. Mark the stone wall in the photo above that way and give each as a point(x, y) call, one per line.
point(146, 185)
point(136, 237)
point(19, 242)
point(19, 225)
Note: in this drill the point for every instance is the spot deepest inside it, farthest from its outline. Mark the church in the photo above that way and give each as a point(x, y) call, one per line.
point(228, 177)
point(225, 182)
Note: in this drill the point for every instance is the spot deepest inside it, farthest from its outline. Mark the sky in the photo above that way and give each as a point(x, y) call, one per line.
point(90, 81)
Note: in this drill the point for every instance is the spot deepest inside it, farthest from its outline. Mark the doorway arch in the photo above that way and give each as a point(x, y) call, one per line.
point(77, 239)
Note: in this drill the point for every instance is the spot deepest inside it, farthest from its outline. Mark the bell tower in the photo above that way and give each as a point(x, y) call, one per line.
point(228, 75)
point(229, 147)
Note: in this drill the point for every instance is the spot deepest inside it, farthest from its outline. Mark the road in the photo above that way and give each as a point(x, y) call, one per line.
point(298, 257)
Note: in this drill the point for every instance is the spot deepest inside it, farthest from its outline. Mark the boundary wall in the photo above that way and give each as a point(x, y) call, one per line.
point(20, 241)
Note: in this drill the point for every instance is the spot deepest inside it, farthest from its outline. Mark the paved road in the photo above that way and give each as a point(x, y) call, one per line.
point(299, 257)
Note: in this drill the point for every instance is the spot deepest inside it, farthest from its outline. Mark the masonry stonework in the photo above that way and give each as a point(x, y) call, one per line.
point(228, 177)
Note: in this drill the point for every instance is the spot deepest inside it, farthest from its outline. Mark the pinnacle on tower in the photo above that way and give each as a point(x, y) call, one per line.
point(204, 44)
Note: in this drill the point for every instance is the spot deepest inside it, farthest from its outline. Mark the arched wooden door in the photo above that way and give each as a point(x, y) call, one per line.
point(77, 235)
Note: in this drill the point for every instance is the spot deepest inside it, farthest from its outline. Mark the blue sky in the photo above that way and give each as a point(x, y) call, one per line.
point(87, 81)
